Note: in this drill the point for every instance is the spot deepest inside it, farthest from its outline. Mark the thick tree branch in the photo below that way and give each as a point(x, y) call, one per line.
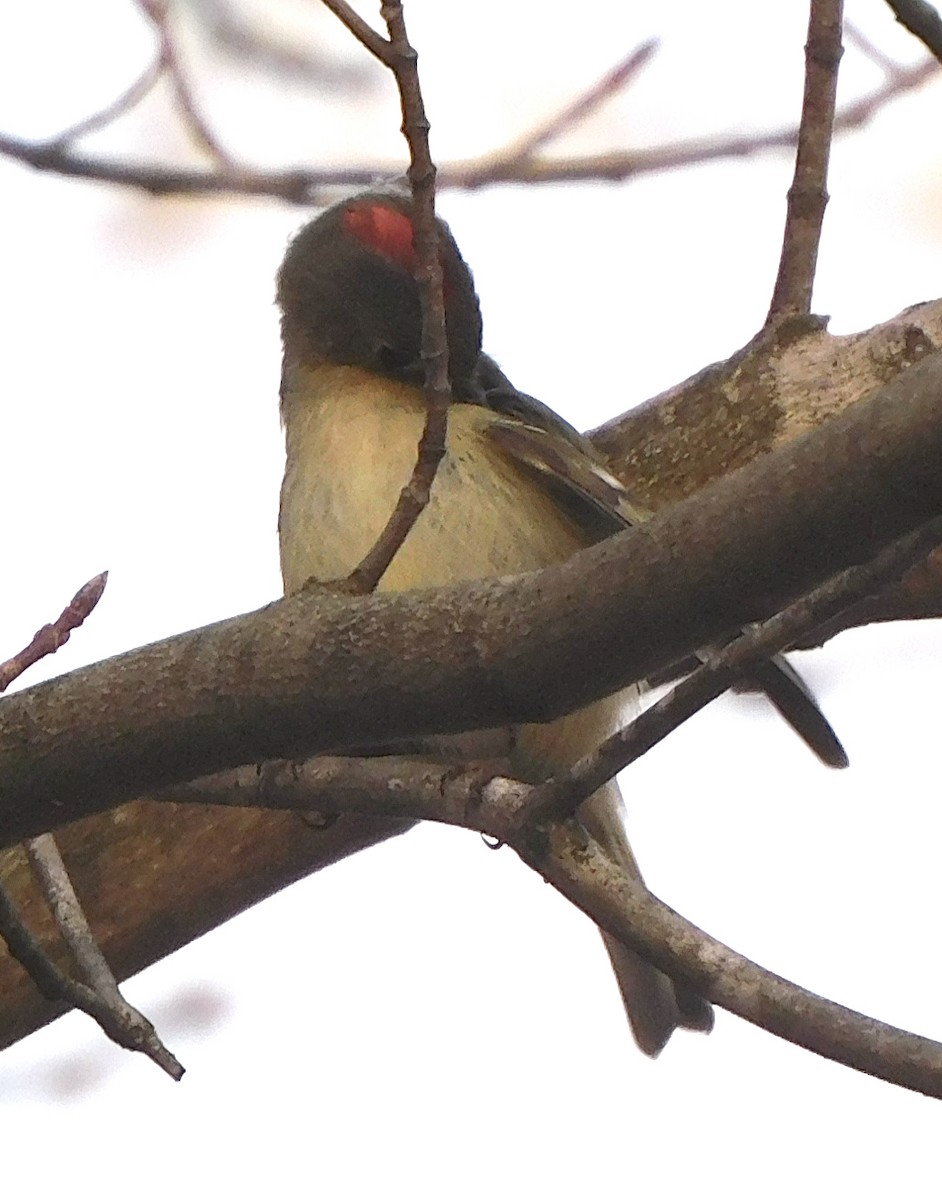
point(297, 677)
point(216, 862)
point(786, 381)
point(560, 797)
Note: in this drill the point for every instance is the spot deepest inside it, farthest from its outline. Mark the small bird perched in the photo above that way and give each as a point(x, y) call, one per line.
point(518, 490)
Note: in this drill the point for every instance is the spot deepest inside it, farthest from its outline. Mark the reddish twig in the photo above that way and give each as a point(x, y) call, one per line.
point(807, 196)
point(98, 996)
point(403, 62)
point(48, 639)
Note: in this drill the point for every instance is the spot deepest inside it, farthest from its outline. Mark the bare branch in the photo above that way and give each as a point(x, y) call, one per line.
point(215, 863)
point(414, 497)
point(922, 20)
point(560, 797)
point(917, 596)
point(121, 104)
point(288, 681)
point(807, 196)
point(473, 795)
point(365, 34)
point(48, 639)
point(625, 909)
point(134, 1030)
point(158, 13)
point(249, 37)
point(576, 866)
point(124, 1026)
point(309, 186)
point(856, 37)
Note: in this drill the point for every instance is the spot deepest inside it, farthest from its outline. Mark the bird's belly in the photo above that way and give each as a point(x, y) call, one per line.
point(346, 467)
point(347, 463)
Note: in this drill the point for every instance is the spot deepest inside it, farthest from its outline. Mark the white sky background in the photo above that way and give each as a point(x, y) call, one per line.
point(449, 1025)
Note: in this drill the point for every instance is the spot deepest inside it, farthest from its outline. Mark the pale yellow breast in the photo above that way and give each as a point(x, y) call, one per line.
point(351, 447)
point(350, 455)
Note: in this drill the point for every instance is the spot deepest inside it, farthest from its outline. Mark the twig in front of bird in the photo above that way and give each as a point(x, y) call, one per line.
point(400, 56)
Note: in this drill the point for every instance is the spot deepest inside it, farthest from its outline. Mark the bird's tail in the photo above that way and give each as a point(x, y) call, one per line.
point(656, 1004)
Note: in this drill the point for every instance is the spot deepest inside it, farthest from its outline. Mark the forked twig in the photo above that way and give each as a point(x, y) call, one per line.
point(98, 995)
point(121, 104)
point(128, 1029)
point(158, 13)
point(400, 56)
point(122, 1022)
point(307, 186)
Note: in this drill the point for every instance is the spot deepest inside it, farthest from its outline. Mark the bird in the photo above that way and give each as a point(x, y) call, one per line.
point(517, 490)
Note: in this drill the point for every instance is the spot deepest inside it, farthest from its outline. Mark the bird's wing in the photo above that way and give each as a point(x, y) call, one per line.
point(563, 461)
point(545, 446)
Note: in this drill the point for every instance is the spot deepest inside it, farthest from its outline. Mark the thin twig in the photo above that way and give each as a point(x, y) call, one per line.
point(807, 196)
point(118, 107)
point(128, 1029)
point(48, 639)
point(922, 21)
point(58, 892)
point(158, 13)
point(857, 38)
point(364, 33)
point(561, 796)
point(576, 867)
point(624, 908)
point(414, 497)
point(583, 106)
point(248, 36)
point(98, 996)
point(312, 186)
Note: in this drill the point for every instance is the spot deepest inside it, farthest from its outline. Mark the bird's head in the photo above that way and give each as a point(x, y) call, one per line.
point(348, 294)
